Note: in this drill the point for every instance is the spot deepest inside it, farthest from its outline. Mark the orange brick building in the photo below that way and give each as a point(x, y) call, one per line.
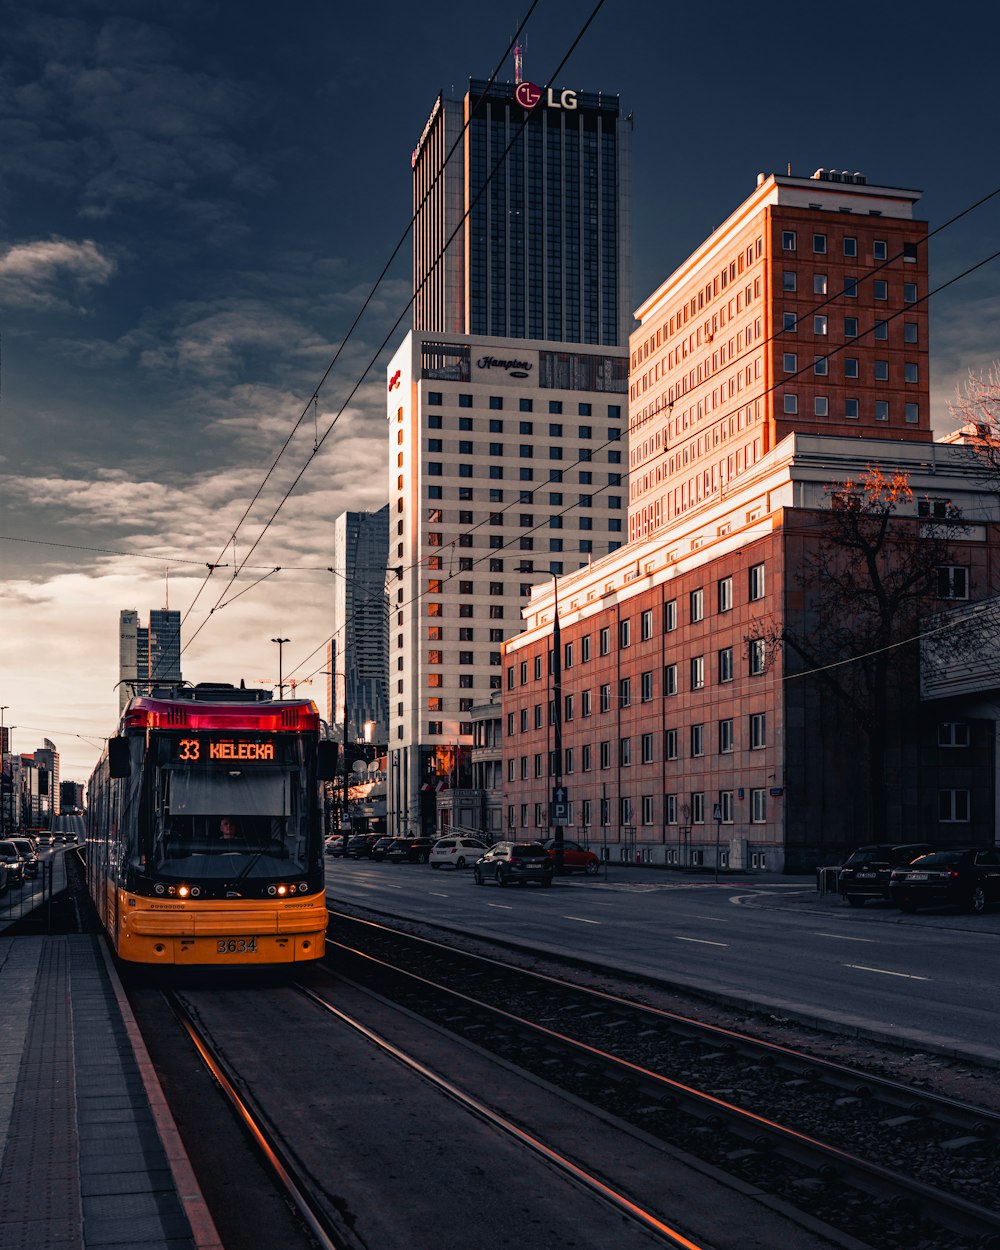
point(785, 356)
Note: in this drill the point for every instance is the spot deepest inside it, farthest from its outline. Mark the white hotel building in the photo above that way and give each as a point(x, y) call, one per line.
point(508, 465)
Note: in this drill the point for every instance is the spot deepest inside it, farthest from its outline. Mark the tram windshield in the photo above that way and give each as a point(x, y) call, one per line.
point(231, 823)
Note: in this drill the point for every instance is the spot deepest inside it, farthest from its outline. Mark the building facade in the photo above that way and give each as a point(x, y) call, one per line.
point(804, 311)
point(521, 216)
point(357, 653)
point(507, 468)
point(689, 732)
point(785, 357)
point(148, 655)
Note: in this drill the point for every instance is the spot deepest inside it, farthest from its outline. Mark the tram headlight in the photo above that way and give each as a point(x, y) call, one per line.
point(272, 890)
point(158, 888)
point(195, 891)
point(282, 889)
point(183, 891)
point(303, 886)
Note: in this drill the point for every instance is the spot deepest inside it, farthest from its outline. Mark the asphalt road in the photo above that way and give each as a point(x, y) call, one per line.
point(931, 979)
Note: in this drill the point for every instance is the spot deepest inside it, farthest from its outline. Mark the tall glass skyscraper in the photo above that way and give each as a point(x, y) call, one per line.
point(357, 654)
point(148, 655)
point(533, 208)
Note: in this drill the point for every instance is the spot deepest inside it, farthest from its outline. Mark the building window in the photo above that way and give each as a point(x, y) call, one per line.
point(789, 362)
point(647, 809)
point(911, 413)
point(496, 402)
point(726, 736)
point(697, 605)
point(726, 807)
point(788, 280)
point(604, 641)
point(584, 702)
point(851, 408)
point(698, 808)
point(670, 616)
point(881, 410)
point(881, 330)
point(850, 288)
point(789, 323)
point(879, 249)
point(670, 744)
point(697, 672)
point(435, 728)
point(758, 731)
point(604, 702)
point(697, 740)
point(821, 366)
point(605, 755)
point(819, 284)
point(953, 807)
point(465, 401)
point(624, 634)
point(819, 244)
point(585, 649)
point(670, 679)
point(850, 327)
point(881, 371)
point(821, 406)
point(850, 367)
point(758, 807)
point(850, 246)
point(952, 581)
point(756, 581)
point(758, 657)
point(788, 240)
point(586, 760)
point(953, 734)
point(526, 405)
point(820, 325)
point(791, 404)
point(909, 292)
point(670, 808)
point(646, 686)
point(646, 624)
point(880, 289)
point(726, 664)
point(910, 373)
point(625, 752)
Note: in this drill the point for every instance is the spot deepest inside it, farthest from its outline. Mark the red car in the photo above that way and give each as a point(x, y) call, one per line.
point(575, 857)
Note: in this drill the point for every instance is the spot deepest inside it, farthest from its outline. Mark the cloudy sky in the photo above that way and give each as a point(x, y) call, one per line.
point(196, 198)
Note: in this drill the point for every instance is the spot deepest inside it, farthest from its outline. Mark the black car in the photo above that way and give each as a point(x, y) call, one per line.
point(866, 872)
point(413, 850)
point(359, 845)
point(968, 876)
point(507, 862)
point(29, 856)
point(380, 848)
point(11, 856)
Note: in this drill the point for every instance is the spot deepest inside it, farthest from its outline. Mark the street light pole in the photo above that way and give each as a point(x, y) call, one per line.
point(281, 682)
point(3, 795)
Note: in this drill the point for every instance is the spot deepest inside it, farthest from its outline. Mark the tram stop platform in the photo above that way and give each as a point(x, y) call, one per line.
point(89, 1153)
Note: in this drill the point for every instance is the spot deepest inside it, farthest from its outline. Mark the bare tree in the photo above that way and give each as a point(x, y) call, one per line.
point(866, 574)
point(977, 414)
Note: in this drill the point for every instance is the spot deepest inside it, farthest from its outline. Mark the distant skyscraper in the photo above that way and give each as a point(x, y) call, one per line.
point(358, 653)
point(545, 250)
point(148, 655)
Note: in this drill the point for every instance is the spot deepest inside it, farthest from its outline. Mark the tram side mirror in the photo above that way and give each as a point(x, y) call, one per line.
point(327, 758)
point(118, 757)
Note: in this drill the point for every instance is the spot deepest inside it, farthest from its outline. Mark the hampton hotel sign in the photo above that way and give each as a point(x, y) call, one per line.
point(523, 367)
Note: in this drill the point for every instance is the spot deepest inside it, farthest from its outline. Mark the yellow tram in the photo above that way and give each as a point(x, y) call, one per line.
point(204, 833)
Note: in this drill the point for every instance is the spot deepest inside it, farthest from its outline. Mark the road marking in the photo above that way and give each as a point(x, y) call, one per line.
point(700, 941)
point(502, 906)
point(581, 920)
point(908, 976)
point(842, 937)
point(715, 919)
point(435, 894)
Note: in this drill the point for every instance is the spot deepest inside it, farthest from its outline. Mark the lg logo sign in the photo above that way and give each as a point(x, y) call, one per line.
point(528, 95)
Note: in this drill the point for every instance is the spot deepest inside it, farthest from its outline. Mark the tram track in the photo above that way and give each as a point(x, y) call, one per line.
point(877, 1158)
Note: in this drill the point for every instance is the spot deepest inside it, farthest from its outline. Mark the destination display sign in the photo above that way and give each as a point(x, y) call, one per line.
point(220, 749)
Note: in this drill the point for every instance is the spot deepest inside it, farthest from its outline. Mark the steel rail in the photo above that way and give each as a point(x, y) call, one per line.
point(619, 1201)
point(955, 1213)
point(290, 1175)
point(979, 1120)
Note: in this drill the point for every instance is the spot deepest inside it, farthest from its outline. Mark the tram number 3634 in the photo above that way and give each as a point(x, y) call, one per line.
point(236, 946)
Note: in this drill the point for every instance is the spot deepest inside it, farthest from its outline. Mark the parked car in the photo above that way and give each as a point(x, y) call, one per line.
point(4, 878)
point(575, 857)
point(336, 845)
point(29, 856)
point(866, 872)
point(456, 851)
point(380, 848)
point(10, 856)
point(507, 862)
point(969, 876)
point(359, 845)
point(414, 850)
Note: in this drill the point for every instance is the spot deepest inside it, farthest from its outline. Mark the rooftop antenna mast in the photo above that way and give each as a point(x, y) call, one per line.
point(518, 58)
